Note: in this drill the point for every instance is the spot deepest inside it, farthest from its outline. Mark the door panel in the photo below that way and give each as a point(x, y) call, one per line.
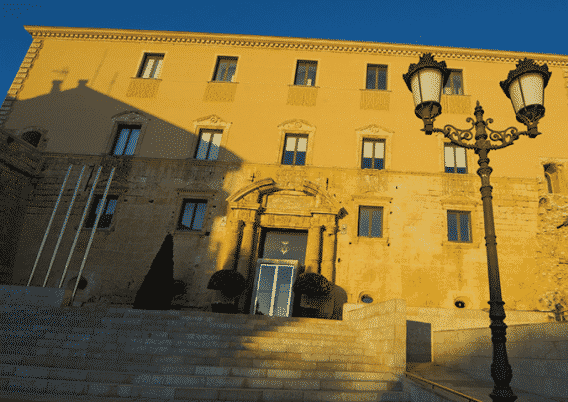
point(272, 293)
point(282, 297)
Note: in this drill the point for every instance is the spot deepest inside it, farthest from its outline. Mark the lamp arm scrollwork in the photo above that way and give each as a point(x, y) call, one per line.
point(458, 136)
point(461, 137)
point(505, 137)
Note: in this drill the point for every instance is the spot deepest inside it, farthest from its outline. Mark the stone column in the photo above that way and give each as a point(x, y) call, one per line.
point(313, 246)
point(328, 252)
point(245, 253)
point(229, 250)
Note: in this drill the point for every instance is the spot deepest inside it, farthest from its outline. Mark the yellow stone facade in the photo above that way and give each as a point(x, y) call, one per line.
point(77, 84)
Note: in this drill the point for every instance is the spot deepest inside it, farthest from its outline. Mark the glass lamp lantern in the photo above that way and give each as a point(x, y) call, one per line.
point(425, 80)
point(525, 87)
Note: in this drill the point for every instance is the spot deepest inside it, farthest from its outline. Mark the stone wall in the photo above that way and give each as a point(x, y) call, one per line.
point(538, 354)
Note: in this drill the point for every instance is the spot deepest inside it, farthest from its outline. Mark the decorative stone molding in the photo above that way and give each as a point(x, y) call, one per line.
point(296, 126)
point(456, 104)
point(372, 99)
point(143, 88)
point(220, 91)
point(299, 95)
point(268, 186)
point(19, 80)
point(211, 122)
point(267, 42)
point(127, 117)
point(131, 117)
point(44, 139)
point(374, 131)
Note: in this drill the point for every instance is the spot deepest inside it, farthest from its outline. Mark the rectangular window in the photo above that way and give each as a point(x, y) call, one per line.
point(459, 228)
point(151, 66)
point(373, 154)
point(455, 159)
point(125, 141)
point(295, 150)
point(370, 222)
point(306, 73)
point(192, 214)
point(376, 76)
point(454, 86)
point(225, 69)
point(107, 212)
point(209, 142)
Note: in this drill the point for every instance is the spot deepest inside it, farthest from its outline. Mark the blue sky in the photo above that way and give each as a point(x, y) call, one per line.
point(532, 26)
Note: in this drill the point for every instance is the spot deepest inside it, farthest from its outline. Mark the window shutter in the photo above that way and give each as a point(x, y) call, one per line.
point(203, 145)
point(132, 142)
point(148, 69)
point(121, 142)
point(199, 216)
point(214, 151)
point(158, 69)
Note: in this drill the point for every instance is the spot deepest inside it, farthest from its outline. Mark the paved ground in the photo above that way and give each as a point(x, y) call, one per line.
point(469, 386)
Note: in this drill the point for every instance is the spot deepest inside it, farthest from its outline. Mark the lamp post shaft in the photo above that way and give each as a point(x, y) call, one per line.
point(500, 368)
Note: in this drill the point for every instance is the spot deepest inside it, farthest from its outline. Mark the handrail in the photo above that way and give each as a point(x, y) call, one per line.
point(435, 385)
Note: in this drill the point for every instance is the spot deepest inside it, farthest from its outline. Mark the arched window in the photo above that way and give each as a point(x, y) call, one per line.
point(32, 137)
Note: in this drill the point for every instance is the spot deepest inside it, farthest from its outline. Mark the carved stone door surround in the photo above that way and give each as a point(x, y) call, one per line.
point(264, 204)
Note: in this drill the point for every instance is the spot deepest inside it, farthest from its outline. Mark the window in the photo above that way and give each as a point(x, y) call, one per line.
point(454, 86)
point(455, 159)
point(208, 148)
point(371, 221)
point(295, 150)
point(306, 73)
point(32, 137)
point(106, 214)
point(125, 142)
point(373, 154)
point(192, 214)
point(459, 229)
point(376, 76)
point(551, 176)
point(151, 66)
point(225, 69)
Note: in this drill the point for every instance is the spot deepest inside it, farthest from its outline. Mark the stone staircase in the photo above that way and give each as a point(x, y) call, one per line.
point(116, 354)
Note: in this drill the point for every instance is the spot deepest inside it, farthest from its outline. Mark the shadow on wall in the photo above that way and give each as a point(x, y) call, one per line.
point(96, 115)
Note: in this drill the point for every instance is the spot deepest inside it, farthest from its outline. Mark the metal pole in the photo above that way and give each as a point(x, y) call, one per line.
point(501, 370)
point(49, 225)
point(80, 226)
point(63, 227)
point(93, 233)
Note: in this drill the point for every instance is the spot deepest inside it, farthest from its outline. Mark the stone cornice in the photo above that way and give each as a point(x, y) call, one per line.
point(278, 42)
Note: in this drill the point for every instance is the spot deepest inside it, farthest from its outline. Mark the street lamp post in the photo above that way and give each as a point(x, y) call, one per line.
point(525, 87)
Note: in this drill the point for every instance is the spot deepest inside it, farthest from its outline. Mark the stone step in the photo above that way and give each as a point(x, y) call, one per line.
point(82, 360)
point(57, 372)
point(178, 325)
point(168, 346)
point(154, 315)
point(197, 334)
point(258, 391)
point(205, 377)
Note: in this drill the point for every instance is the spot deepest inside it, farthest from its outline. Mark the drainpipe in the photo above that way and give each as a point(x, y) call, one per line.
point(80, 225)
point(49, 225)
point(64, 224)
point(92, 234)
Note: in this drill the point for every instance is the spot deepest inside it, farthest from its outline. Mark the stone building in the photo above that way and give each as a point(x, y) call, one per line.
point(273, 156)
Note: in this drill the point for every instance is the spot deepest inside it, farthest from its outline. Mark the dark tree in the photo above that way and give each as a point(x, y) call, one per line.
point(157, 288)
